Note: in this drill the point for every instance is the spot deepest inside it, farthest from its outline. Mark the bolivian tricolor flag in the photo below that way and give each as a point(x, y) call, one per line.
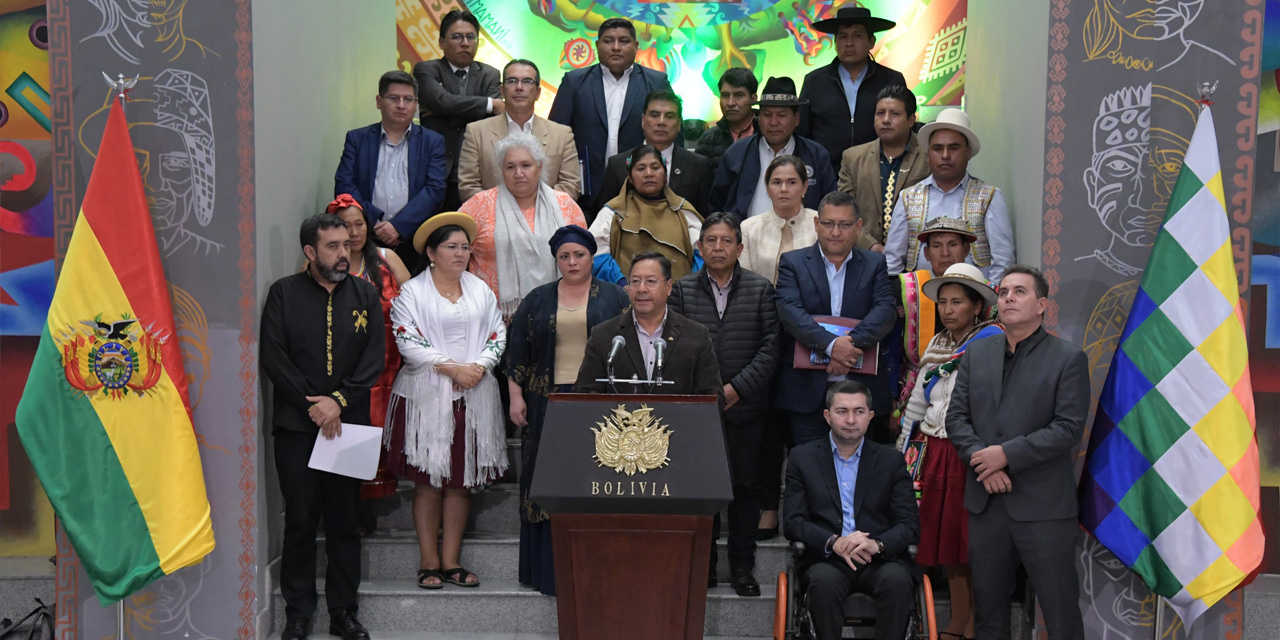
point(105, 417)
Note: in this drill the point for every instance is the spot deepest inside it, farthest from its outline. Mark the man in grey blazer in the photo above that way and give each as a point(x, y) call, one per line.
point(455, 91)
point(1017, 414)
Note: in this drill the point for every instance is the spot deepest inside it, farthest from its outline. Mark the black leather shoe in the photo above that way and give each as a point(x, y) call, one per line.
point(345, 625)
point(295, 629)
point(744, 584)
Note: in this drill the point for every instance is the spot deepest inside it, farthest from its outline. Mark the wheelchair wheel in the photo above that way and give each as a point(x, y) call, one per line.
point(926, 622)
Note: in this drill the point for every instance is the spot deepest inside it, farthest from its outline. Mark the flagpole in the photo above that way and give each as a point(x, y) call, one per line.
point(120, 620)
point(1159, 626)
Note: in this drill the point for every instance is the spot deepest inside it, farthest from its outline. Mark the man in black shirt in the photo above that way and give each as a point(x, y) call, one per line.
point(322, 348)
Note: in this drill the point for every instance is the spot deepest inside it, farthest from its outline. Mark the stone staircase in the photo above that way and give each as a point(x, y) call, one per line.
point(394, 608)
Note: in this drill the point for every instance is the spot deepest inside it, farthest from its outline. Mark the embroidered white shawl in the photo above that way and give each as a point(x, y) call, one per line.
point(428, 395)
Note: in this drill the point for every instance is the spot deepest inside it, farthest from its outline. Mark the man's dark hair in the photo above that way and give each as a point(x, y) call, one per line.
point(616, 23)
point(537, 75)
point(721, 217)
point(837, 199)
point(454, 16)
point(653, 255)
point(852, 387)
point(1042, 285)
point(665, 95)
point(739, 77)
point(309, 235)
point(795, 162)
point(900, 93)
point(396, 77)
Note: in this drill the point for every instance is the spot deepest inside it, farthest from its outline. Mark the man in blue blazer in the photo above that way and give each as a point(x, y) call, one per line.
point(395, 169)
point(739, 186)
point(832, 278)
point(602, 103)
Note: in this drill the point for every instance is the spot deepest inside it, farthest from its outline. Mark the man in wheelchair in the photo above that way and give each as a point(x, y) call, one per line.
point(851, 503)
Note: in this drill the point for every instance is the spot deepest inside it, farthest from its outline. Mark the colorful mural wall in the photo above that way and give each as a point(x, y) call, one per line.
point(1264, 307)
point(696, 42)
point(26, 258)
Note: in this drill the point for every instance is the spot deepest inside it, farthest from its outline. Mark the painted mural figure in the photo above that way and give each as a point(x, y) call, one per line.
point(1142, 35)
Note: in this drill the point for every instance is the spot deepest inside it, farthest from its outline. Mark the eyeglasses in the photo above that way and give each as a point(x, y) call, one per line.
point(648, 283)
point(459, 37)
point(394, 99)
point(528, 82)
point(464, 248)
point(832, 224)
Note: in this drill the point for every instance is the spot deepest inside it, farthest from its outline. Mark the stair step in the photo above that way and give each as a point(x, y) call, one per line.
point(471, 635)
point(496, 606)
point(22, 579)
point(493, 510)
point(394, 555)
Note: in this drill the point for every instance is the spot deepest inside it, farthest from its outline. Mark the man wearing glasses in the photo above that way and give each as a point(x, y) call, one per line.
point(833, 278)
point(688, 357)
point(455, 91)
point(477, 165)
point(395, 169)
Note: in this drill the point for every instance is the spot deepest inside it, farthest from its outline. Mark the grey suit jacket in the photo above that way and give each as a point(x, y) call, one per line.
point(1038, 418)
point(445, 109)
point(478, 167)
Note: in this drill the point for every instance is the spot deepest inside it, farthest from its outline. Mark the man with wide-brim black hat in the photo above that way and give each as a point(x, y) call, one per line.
point(739, 185)
point(842, 95)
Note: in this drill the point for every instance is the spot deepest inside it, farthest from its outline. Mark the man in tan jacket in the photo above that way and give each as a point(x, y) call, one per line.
point(876, 172)
point(477, 166)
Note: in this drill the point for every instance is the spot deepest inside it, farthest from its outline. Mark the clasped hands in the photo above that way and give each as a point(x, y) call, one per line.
point(857, 549)
point(326, 413)
point(843, 356)
point(464, 376)
point(990, 465)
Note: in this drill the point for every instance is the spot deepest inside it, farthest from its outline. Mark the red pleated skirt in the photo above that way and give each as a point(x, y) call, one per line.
point(400, 466)
point(944, 522)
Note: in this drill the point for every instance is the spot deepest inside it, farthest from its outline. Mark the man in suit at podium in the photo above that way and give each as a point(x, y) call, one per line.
point(686, 356)
point(850, 501)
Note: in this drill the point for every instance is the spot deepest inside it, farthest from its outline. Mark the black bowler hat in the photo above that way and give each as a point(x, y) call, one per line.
point(854, 15)
point(780, 92)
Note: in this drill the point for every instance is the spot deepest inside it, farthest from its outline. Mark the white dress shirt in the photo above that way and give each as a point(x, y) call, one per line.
point(391, 182)
point(615, 95)
point(646, 342)
point(951, 204)
point(512, 127)
point(760, 202)
point(762, 238)
point(835, 281)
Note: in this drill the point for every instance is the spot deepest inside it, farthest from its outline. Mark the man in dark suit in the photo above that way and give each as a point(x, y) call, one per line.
point(832, 278)
point(689, 360)
point(739, 181)
point(1017, 415)
point(737, 307)
point(455, 91)
point(602, 104)
point(842, 95)
point(851, 503)
point(688, 174)
point(395, 169)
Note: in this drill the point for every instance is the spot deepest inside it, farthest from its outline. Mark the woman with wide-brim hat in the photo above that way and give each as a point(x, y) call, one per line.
point(963, 298)
point(447, 432)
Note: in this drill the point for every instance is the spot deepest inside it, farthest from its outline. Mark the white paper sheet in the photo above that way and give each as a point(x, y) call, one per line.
point(354, 453)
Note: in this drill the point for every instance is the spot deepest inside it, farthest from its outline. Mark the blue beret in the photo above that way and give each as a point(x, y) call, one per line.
point(572, 233)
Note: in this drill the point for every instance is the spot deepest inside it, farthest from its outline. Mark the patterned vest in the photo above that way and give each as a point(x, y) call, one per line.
point(977, 197)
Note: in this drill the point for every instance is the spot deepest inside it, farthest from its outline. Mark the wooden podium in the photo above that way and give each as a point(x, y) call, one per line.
point(631, 482)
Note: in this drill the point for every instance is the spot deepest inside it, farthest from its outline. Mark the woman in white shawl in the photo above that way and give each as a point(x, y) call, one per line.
point(445, 415)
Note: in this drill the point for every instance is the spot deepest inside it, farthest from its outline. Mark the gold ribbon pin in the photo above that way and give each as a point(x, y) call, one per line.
point(362, 319)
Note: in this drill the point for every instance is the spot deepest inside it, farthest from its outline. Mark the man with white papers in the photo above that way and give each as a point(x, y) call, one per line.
point(322, 347)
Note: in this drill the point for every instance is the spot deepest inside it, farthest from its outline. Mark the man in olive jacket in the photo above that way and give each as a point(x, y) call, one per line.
point(738, 310)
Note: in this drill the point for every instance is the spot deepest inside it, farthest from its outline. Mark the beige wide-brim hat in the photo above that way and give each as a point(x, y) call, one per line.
point(953, 119)
point(463, 220)
point(962, 273)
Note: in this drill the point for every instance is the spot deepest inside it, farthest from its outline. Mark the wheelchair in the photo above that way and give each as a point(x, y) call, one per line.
point(791, 619)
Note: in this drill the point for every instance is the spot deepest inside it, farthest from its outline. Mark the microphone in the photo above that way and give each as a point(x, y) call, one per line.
point(618, 343)
point(659, 353)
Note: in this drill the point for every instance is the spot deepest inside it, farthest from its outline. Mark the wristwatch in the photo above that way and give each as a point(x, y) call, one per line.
point(831, 541)
point(879, 546)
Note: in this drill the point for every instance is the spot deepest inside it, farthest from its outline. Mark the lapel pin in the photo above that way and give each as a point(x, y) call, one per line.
point(677, 170)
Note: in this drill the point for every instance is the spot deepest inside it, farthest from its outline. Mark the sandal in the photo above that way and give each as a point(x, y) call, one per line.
point(426, 574)
point(459, 577)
